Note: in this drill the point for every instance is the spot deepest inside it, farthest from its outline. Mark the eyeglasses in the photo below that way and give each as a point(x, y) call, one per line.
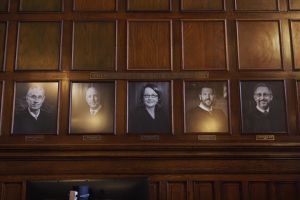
point(147, 96)
point(263, 94)
point(34, 97)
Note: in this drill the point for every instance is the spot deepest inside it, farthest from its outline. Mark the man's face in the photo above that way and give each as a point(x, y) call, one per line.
point(207, 97)
point(263, 96)
point(150, 97)
point(35, 98)
point(92, 98)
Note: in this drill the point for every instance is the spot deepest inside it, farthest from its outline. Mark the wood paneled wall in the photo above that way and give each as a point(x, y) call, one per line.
point(175, 41)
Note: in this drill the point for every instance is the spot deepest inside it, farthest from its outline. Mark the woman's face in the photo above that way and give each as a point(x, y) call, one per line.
point(150, 97)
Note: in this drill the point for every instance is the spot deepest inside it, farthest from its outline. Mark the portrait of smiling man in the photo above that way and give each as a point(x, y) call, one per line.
point(33, 115)
point(266, 111)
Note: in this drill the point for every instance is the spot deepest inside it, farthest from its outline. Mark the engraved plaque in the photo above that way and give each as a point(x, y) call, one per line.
point(265, 137)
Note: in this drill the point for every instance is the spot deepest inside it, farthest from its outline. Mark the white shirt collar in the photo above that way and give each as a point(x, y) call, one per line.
point(93, 112)
point(205, 108)
point(35, 116)
point(263, 111)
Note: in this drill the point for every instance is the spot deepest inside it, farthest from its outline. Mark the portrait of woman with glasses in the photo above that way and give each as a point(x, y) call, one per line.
point(149, 107)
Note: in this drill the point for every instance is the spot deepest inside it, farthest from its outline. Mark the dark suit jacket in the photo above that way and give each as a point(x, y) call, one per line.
point(25, 123)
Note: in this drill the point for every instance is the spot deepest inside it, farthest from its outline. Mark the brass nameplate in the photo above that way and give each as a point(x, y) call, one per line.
point(150, 138)
point(149, 76)
point(265, 137)
point(36, 138)
point(207, 137)
point(91, 138)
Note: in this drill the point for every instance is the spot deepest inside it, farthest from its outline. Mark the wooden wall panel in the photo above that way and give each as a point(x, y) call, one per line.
point(258, 191)
point(295, 30)
point(204, 45)
point(38, 45)
point(149, 45)
point(2, 43)
point(192, 5)
point(95, 5)
point(231, 191)
point(3, 5)
point(177, 191)
point(12, 191)
point(154, 191)
point(153, 5)
point(203, 191)
point(287, 191)
point(259, 45)
point(262, 5)
point(294, 4)
point(38, 5)
point(97, 42)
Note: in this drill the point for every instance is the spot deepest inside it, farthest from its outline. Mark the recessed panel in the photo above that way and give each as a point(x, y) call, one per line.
point(294, 4)
point(149, 45)
point(2, 43)
point(151, 5)
point(177, 191)
point(287, 191)
point(295, 30)
point(263, 5)
point(192, 5)
point(258, 191)
point(95, 5)
point(12, 191)
point(204, 45)
point(231, 191)
point(259, 45)
point(38, 5)
point(38, 46)
point(3, 5)
point(97, 42)
point(203, 190)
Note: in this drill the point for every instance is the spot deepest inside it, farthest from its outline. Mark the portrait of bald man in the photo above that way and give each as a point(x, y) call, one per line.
point(263, 107)
point(35, 110)
point(92, 107)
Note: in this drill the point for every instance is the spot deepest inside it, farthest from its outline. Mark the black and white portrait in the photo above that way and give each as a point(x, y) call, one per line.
point(35, 108)
point(92, 107)
point(149, 107)
point(206, 107)
point(263, 107)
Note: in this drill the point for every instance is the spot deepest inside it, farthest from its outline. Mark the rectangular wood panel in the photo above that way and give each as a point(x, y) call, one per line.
point(259, 44)
point(177, 191)
point(203, 190)
point(2, 44)
point(95, 5)
point(3, 5)
point(204, 45)
point(154, 191)
point(287, 191)
point(38, 5)
point(149, 45)
point(38, 46)
point(258, 191)
point(192, 5)
point(231, 191)
point(257, 5)
point(149, 5)
point(294, 4)
point(12, 191)
point(97, 42)
point(295, 31)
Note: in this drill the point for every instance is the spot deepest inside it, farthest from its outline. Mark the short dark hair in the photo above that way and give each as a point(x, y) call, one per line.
point(153, 87)
point(261, 84)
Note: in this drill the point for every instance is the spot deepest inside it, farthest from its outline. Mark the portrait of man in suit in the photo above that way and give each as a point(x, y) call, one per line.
point(33, 114)
point(92, 107)
point(263, 107)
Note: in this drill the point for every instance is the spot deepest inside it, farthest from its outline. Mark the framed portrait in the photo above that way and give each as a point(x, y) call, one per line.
point(35, 108)
point(149, 107)
point(263, 106)
point(206, 107)
point(92, 108)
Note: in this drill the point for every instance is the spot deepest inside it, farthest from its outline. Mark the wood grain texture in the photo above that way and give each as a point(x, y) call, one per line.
point(287, 191)
point(294, 4)
point(95, 5)
point(149, 45)
point(192, 5)
point(203, 190)
point(231, 191)
point(149, 5)
point(154, 191)
point(37, 5)
point(295, 31)
point(12, 191)
point(258, 191)
point(3, 5)
point(204, 45)
point(259, 45)
point(177, 191)
point(2, 43)
point(261, 5)
point(97, 42)
point(39, 45)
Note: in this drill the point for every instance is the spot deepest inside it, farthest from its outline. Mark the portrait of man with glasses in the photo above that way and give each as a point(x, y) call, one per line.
point(149, 107)
point(264, 110)
point(35, 108)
